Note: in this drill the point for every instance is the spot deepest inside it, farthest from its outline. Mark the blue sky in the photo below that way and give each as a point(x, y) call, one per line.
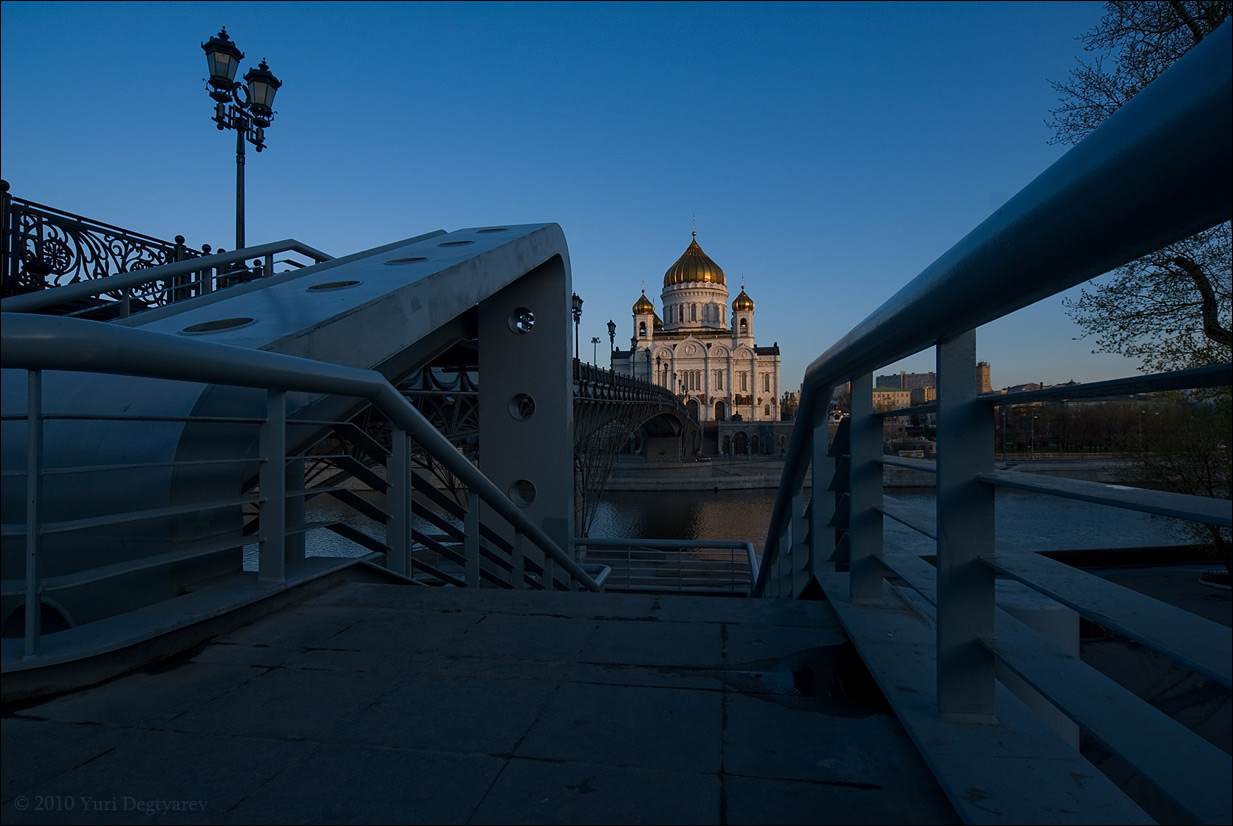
point(828, 152)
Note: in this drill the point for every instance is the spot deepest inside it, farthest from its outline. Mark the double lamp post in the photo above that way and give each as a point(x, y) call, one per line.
point(247, 108)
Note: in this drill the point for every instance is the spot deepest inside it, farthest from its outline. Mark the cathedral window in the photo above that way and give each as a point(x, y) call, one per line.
point(766, 382)
point(744, 380)
point(719, 379)
point(641, 329)
point(693, 312)
point(744, 327)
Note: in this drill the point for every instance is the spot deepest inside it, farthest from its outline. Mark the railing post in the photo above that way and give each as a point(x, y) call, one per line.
point(471, 538)
point(549, 574)
point(518, 562)
point(965, 533)
point(271, 564)
point(295, 518)
point(34, 525)
point(398, 502)
point(798, 551)
point(865, 518)
point(822, 507)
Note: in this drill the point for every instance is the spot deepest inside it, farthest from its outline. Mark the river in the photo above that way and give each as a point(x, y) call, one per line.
point(1042, 523)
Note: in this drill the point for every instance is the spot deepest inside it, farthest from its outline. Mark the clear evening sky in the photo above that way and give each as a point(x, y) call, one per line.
point(828, 152)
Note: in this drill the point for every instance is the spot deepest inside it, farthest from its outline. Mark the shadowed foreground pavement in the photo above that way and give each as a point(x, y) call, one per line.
point(383, 703)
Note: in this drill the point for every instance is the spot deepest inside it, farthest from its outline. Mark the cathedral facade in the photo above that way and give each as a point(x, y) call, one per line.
point(703, 349)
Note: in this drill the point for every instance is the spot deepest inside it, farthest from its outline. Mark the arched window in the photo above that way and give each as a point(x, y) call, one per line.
point(693, 312)
point(744, 327)
point(641, 329)
point(766, 410)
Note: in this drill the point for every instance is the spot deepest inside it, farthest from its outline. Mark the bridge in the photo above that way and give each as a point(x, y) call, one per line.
point(134, 450)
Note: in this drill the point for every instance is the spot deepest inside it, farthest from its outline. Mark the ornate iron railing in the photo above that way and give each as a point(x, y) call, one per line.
point(46, 247)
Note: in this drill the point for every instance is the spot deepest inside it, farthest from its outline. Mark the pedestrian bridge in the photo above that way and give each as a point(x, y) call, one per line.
point(135, 453)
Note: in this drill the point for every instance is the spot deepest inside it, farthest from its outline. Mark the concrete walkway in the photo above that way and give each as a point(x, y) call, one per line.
point(378, 703)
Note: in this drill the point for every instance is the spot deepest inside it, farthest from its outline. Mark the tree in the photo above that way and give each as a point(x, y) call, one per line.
point(1169, 309)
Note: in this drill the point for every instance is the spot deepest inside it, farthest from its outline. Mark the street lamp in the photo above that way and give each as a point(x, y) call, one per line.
point(594, 346)
point(246, 109)
point(577, 305)
point(658, 371)
point(611, 338)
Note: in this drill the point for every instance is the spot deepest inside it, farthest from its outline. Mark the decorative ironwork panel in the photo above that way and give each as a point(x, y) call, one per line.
point(46, 248)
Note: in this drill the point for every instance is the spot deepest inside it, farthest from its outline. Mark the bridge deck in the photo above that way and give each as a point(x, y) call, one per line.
point(379, 703)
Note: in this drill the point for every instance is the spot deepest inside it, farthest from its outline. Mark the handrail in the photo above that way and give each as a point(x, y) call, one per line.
point(1155, 172)
point(751, 555)
point(33, 302)
point(51, 343)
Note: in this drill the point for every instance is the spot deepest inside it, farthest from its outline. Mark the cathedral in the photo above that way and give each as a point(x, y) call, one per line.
point(705, 354)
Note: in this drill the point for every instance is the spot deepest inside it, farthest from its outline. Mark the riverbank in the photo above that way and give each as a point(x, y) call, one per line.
point(636, 473)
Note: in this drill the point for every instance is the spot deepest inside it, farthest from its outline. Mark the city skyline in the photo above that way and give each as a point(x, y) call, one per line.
point(826, 153)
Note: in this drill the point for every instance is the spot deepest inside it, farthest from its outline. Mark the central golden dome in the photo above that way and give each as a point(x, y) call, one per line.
point(694, 267)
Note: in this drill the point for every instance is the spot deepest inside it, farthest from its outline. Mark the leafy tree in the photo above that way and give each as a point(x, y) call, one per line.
point(1170, 309)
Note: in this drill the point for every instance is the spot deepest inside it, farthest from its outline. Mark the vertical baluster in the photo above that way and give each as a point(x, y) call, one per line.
point(470, 539)
point(398, 502)
point(965, 534)
point(822, 506)
point(518, 562)
point(271, 565)
point(865, 520)
point(34, 525)
point(549, 574)
point(798, 554)
point(295, 512)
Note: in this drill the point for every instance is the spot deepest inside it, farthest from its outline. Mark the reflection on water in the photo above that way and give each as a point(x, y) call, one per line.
point(1034, 521)
point(1037, 522)
point(735, 515)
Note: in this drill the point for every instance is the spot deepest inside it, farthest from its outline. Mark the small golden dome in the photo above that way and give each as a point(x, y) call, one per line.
point(643, 305)
point(694, 267)
point(742, 302)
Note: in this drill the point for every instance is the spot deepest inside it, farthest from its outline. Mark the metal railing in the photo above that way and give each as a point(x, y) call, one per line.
point(164, 284)
point(1156, 172)
point(673, 565)
point(42, 343)
point(44, 247)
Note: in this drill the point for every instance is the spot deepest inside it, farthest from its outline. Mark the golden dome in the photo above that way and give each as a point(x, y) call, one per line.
point(742, 302)
point(694, 267)
point(643, 305)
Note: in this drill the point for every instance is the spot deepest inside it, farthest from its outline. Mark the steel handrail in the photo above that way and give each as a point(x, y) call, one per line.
point(33, 302)
point(1155, 172)
point(34, 342)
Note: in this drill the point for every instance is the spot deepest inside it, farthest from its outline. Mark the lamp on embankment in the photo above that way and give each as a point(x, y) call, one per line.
point(576, 303)
point(594, 350)
point(247, 108)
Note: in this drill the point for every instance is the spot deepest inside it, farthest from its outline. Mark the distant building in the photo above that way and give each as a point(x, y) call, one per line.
point(708, 359)
point(918, 381)
point(890, 398)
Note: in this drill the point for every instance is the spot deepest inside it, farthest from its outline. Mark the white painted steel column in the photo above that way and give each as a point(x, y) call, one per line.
point(471, 539)
point(821, 534)
point(965, 534)
point(526, 404)
point(398, 503)
point(518, 562)
point(865, 520)
point(272, 560)
point(295, 518)
point(34, 523)
point(798, 552)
